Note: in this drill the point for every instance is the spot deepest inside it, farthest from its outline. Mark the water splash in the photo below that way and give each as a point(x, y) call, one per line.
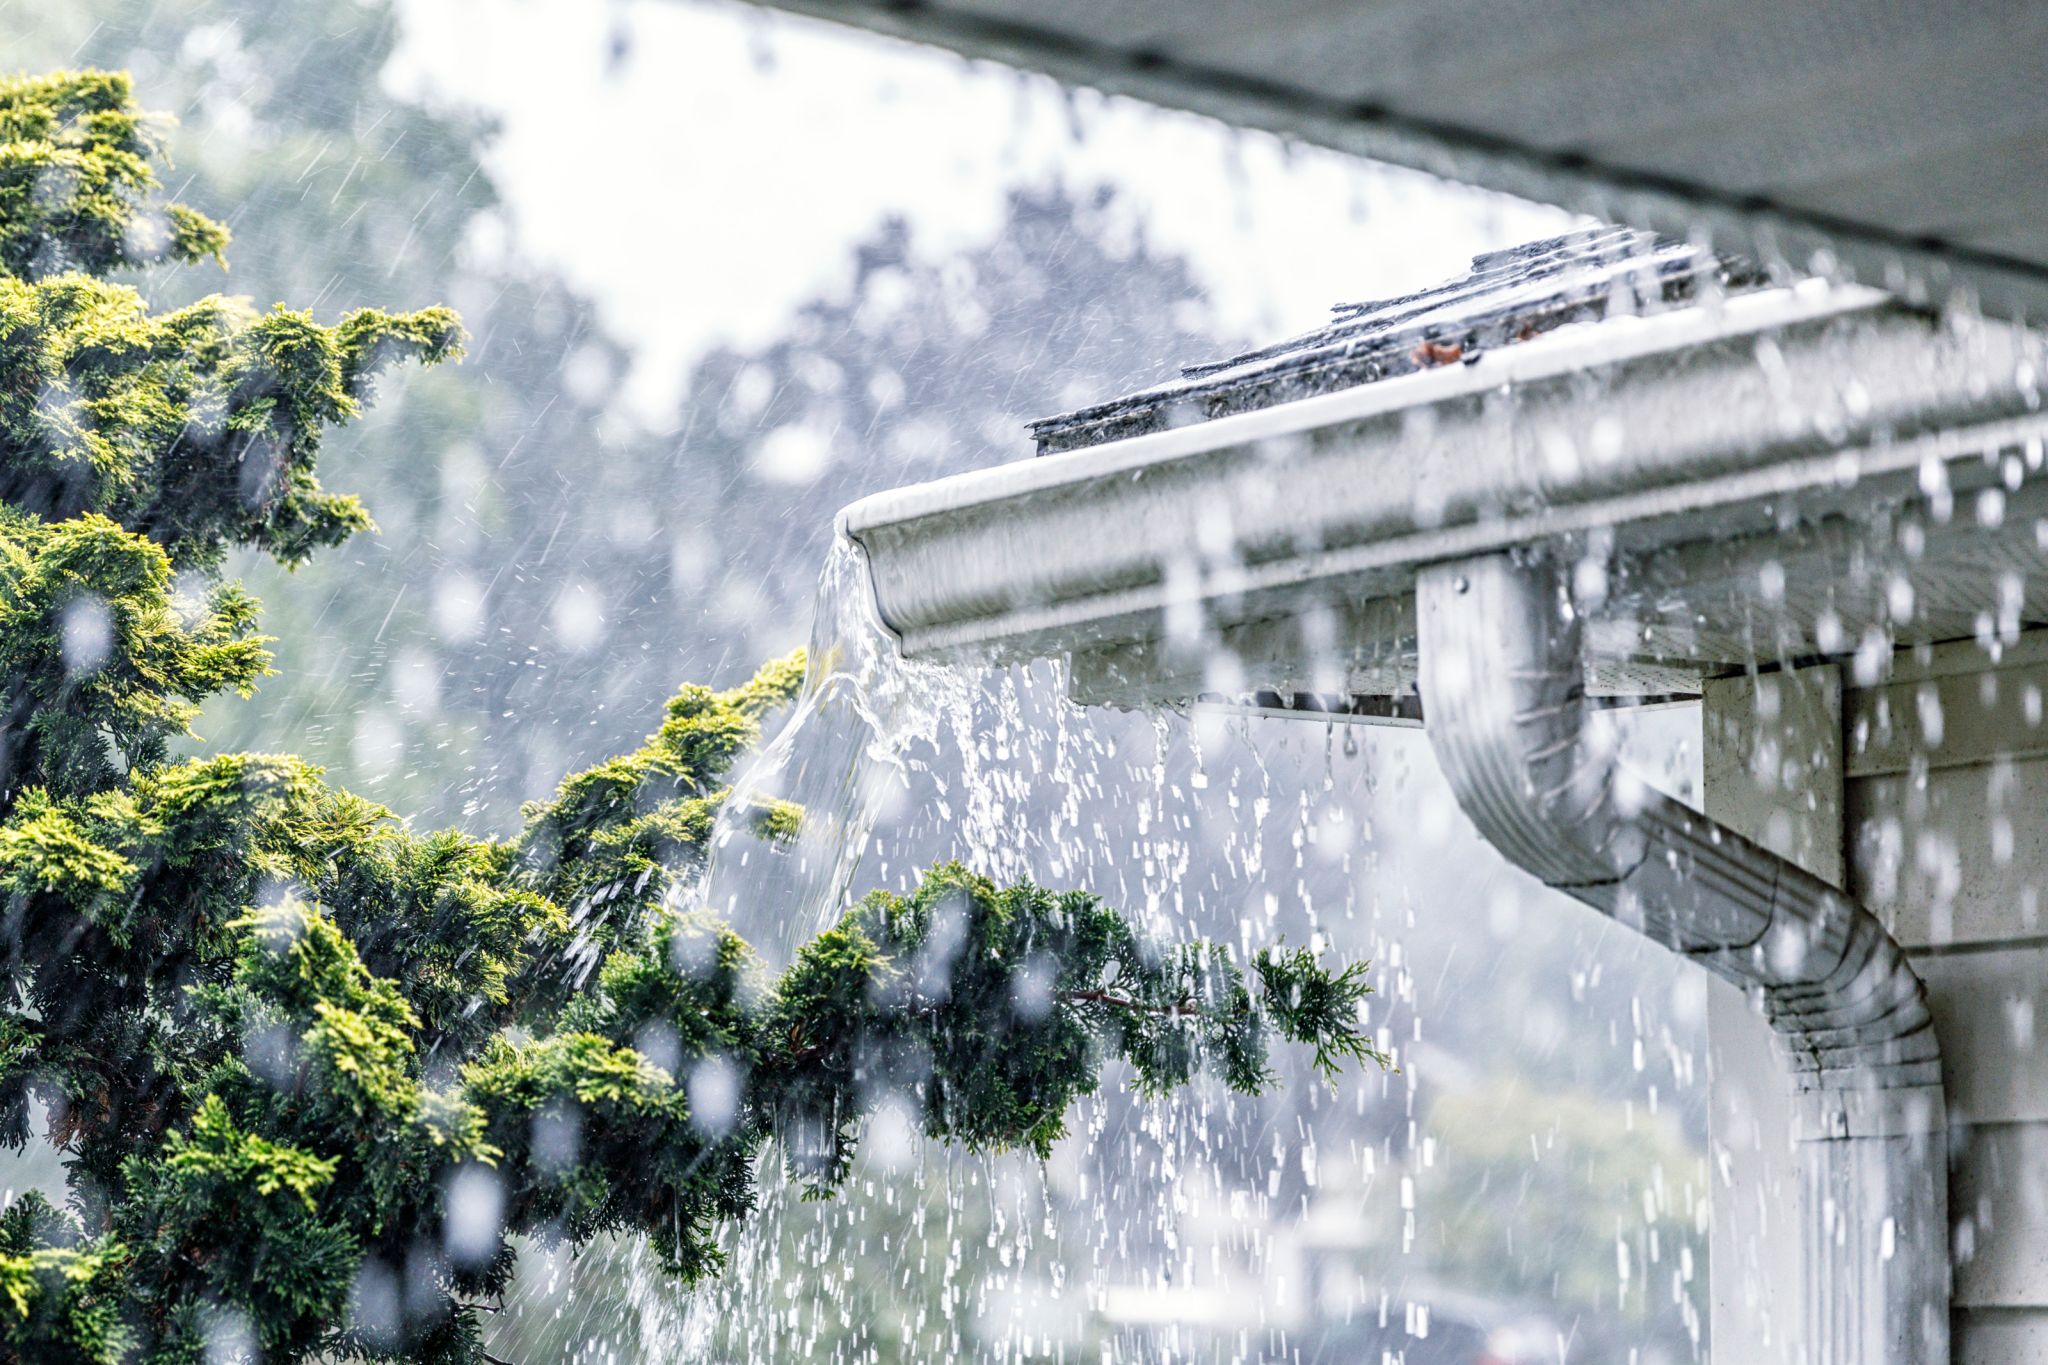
point(1151, 1216)
point(839, 760)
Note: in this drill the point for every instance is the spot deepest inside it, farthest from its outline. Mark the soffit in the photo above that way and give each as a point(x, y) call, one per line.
point(1908, 141)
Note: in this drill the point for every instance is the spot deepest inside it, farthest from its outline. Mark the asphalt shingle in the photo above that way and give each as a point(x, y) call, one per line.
point(1507, 297)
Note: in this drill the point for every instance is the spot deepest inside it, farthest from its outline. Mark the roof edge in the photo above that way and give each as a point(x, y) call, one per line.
point(1925, 271)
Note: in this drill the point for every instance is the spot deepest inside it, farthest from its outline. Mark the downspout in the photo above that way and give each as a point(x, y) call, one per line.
point(1501, 676)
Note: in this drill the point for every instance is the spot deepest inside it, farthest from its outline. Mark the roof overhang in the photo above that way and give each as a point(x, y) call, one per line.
point(1778, 476)
point(1906, 144)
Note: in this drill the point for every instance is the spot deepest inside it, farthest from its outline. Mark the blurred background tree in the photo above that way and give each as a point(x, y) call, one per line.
point(1593, 1222)
point(551, 562)
point(548, 564)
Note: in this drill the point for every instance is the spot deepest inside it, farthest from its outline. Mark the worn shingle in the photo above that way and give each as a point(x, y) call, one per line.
point(1506, 297)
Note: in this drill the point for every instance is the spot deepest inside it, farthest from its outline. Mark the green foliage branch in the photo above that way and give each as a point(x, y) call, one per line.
point(312, 1070)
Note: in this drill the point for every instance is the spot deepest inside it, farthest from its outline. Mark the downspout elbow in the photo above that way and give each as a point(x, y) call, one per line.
point(1501, 675)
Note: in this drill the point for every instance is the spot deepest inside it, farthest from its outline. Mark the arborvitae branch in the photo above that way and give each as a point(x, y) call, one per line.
point(1179, 1009)
point(293, 1050)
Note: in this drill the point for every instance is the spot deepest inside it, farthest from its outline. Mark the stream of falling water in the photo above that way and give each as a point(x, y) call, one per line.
point(1199, 1228)
point(841, 758)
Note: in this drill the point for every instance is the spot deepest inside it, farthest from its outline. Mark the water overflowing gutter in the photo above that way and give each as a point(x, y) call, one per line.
point(1836, 397)
point(1828, 441)
point(1502, 681)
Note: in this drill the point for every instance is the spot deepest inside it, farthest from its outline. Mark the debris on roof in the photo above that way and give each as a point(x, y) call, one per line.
point(1507, 297)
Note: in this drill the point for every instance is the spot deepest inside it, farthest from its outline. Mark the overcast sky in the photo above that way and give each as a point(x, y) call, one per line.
point(701, 167)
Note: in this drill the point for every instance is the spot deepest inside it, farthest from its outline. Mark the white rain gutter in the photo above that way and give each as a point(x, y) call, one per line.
point(1501, 677)
point(1435, 508)
point(1641, 424)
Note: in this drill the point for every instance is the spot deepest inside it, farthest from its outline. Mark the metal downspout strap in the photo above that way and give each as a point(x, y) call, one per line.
point(1501, 677)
